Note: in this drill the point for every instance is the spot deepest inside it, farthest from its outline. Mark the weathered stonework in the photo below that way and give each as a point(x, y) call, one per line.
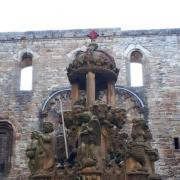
point(53, 50)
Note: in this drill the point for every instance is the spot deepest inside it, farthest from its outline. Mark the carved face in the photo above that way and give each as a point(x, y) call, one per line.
point(85, 117)
point(100, 110)
point(119, 114)
point(77, 109)
point(139, 122)
point(48, 127)
point(34, 135)
point(94, 118)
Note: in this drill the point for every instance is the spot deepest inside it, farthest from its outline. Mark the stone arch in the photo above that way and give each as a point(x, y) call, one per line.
point(144, 61)
point(51, 105)
point(133, 47)
point(65, 94)
point(138, 103)
point(126, 98)
point(6, 141)
point(51, 102)
point(26, 50)
point(133, 103)
point(26, 59)
point(53, 95)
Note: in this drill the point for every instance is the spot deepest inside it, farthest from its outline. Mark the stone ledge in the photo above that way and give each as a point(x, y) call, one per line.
point(159, 32)
point(82, 33)
point(54, 34)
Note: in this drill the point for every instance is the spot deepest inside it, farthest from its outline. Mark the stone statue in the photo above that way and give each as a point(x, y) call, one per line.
point(90, 138)
point(136, 148)
point(100, 109)
point(118, 117)
point(31, 151)
point(41, 151)
point(60, 146)
point(138, 130)
point(116, 148)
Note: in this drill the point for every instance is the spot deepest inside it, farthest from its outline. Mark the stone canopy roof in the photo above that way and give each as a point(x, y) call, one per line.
point(94, 60)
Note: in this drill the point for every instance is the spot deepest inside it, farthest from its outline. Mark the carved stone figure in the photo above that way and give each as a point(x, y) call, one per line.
point(41, 153)
point(90, 138)
point(136, 148)
point(138, 130)
point(60, 152)
point(101, 109)
point(117, 147)
point(136, 157)
point(118, 117)
point(140, 153)
point(31, 152)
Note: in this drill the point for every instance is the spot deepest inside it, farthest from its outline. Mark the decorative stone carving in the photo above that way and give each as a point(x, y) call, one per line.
point(31, 152)
point(116, 150)
point(138, 130)
point(140, 154)
point(90, 139)
point(94, 60)
point(41, 152)
point(91, 142)
point(85, 144)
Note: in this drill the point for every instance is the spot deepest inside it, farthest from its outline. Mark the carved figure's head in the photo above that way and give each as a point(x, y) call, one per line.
point(34, 135)
point(100, 109)
point(48, 127)
point(119, 113)
point(139, 122)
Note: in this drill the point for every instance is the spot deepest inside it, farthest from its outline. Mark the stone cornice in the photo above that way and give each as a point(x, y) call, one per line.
point(82, 33)
point(55, 34)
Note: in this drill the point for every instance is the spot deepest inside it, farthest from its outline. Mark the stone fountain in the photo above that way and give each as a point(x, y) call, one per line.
point(92, 145)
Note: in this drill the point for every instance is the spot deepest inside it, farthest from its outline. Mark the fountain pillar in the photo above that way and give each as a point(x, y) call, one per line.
point(74, 92)
point(90, 88)
point(111, 93)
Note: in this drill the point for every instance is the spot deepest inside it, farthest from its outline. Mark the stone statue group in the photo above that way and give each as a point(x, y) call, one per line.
point(95, 143)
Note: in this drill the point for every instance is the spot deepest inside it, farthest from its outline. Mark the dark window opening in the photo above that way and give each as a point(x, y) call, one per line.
point(176, 143)
point(6, 137)
point(2, 167)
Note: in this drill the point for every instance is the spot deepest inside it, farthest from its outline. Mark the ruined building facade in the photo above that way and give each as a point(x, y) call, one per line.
point(49, 53)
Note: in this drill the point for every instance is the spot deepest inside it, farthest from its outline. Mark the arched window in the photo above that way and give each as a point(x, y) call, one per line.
point(136, 69)
point(26, 72)
point(6, 139)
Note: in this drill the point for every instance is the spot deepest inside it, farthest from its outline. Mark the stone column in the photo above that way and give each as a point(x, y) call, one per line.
point(90, 88)
point(111, 93)
point(74, 92)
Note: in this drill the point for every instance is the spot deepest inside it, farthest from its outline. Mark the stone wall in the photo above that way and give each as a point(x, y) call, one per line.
point(53, 50)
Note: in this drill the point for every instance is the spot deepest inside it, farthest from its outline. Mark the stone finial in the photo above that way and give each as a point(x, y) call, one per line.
point(93, 35)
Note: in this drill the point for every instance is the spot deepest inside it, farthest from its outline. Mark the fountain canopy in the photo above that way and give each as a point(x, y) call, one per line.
point(96, 61)
point(93, 71)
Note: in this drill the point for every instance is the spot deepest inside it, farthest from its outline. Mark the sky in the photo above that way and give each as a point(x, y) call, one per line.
point(26, 79)
point(28, 15)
